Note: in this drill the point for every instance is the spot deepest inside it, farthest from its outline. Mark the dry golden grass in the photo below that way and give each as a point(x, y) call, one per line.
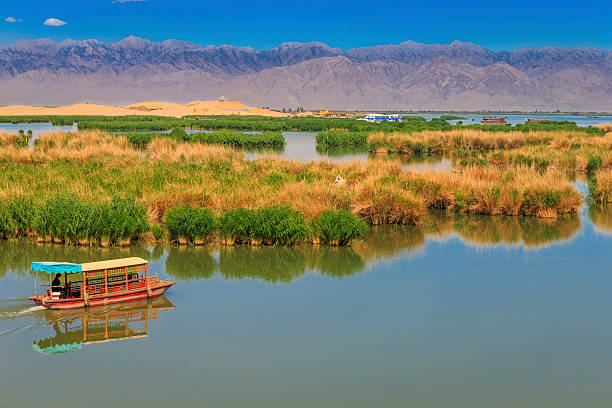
point(568, 150)
point(165, 149)
point(84, 146)
point(167, 173)
point(605, 126)
point(603, 186)
point(95, 144)
point(470, 139)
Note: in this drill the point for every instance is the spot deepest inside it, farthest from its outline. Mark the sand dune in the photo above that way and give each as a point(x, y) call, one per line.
point(143, 108)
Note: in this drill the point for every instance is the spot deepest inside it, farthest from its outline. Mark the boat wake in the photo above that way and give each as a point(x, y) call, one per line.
point(12, 326)
point(11, 308)
point(30, 309)
point(15, 316)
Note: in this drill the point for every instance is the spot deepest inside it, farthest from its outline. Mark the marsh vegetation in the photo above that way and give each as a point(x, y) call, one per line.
point(196, 188)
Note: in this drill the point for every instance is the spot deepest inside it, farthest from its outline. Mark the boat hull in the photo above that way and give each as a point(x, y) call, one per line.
point(122, 297)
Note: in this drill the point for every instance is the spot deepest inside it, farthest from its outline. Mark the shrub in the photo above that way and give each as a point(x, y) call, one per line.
point(7, 225)
point(139, 139)
point(342, 139)
point(280, 225)
point(340, 227)
point(274, 140)
point(67, 218)
point(541, 203)
point(23, 211)
point(58, 217)
point(158, 232)
point(189, 223)
point(600, 186)
point(179, 134)
point(381, 203)
point(238, 225)
point(594, 163)
point(131, 209)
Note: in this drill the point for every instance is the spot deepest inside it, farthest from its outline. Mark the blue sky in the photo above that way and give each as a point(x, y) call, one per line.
point(264, 24)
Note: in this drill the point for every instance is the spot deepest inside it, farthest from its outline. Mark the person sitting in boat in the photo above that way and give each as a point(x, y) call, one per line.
point(56, 286)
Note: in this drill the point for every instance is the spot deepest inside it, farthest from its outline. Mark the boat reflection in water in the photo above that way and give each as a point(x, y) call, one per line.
point(70, 330)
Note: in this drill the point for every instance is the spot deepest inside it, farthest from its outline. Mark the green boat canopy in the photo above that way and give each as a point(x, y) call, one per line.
point(56, 267)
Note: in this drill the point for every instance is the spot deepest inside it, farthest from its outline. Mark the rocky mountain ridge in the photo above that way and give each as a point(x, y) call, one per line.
point(403, 76)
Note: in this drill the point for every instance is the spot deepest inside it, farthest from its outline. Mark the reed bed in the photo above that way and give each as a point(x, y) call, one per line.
point(270, 140)
point(601, 186)
point(567, 150)
point(274, 225)
point(66, 218)
point(95, 167)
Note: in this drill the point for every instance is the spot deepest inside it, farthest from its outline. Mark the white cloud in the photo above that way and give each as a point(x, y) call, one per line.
point(12, 20)
point(54, 22)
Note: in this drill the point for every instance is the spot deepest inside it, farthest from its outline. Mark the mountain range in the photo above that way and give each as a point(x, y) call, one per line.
point(406, 76)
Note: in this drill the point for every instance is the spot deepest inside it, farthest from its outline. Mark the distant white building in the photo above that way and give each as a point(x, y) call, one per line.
point(374, 117)
point(221, 98)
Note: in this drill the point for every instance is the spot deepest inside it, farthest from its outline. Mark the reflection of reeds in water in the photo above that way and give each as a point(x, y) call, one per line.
point(190, 263)
point(513, 231)
point(601, 216)
point(269, 264)
point(387, 242)
point(17, 256)
point(285, 264)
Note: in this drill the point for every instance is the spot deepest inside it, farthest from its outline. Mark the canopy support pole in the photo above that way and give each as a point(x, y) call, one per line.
point(84, 294)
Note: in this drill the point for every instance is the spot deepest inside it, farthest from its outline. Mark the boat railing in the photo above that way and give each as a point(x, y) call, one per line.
point(121, 286)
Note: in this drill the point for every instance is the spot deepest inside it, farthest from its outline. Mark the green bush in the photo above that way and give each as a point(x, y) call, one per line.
point(274, 140)
point(7, 225)
point(342, 139)
point(179, 134)
point(23, 212)
point(280, 225)
point(534, 200)
point(140, 139)
point(190, 223)
point(340, 227)
point(594, 163)
point(67, 218)
point(158, 232)
point(238, 225)
point(129, 208)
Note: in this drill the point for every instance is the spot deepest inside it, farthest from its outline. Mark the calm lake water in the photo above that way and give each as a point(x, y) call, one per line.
point(460, 312)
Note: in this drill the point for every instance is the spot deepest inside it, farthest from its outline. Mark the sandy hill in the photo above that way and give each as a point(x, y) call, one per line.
point(143, 108)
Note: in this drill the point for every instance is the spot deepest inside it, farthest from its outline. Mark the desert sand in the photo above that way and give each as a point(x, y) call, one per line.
point(143, 108)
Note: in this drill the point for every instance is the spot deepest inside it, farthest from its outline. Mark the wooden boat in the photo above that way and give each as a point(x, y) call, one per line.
point(70, 330)
point(493, 119)
point(102, 283)
point(530, 120)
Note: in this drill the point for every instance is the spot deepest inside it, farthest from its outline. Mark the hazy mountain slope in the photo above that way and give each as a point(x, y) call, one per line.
point(403, 76)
